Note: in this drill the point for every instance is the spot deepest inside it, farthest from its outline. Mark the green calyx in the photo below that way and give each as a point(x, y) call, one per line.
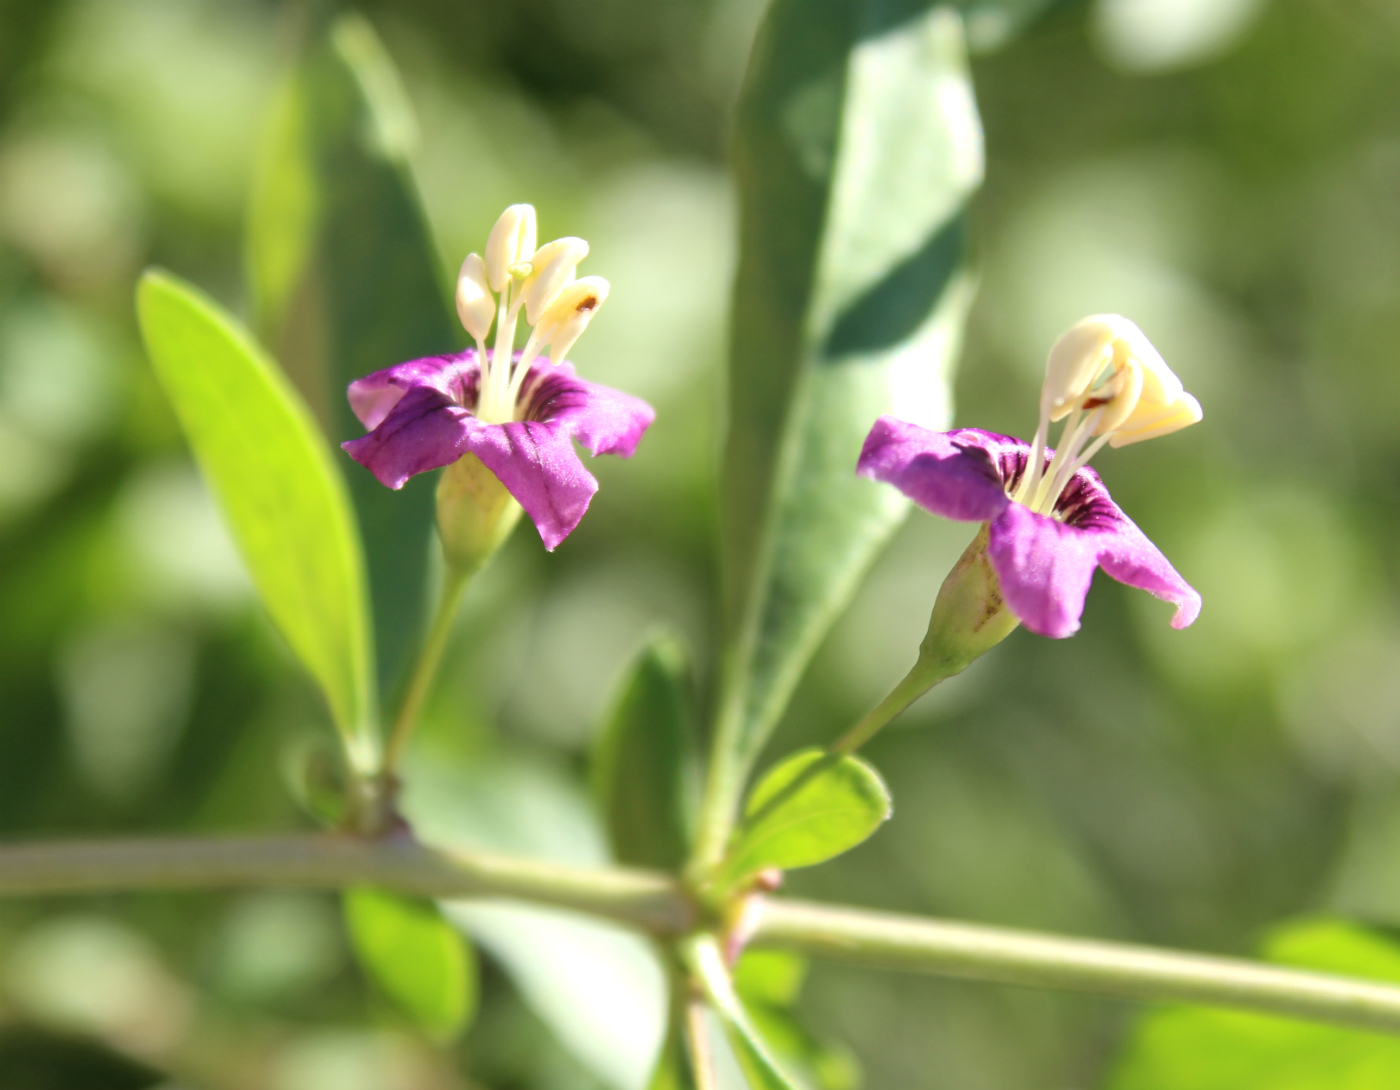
point(969, 617)
point(475, 513)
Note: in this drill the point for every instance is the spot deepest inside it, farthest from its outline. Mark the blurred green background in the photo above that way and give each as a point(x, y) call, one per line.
point(1225, 173)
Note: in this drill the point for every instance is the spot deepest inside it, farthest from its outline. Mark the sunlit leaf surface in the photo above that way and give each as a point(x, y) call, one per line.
point(270, 468)
point(809, 809)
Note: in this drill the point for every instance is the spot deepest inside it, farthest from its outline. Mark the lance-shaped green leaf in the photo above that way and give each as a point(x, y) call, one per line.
point(421, 963)
point(1187, 1048)
point(858, 144)
point(644, 764)
point(812, 807)
point(345, 273)
point(270, 469)
point(703, 958)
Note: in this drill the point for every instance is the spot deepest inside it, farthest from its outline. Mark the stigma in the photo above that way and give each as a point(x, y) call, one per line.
point(1110, 386)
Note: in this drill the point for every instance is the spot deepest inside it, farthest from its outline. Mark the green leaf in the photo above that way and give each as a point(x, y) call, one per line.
point(768, 983)
point(769, 977)
point(762, 1070)
point(343, 267)
point(283, 210)
point(644, 763)
point(415, 957)
point(811, 807)
point(857, 146)
point(270, 469)
point(1194, 1049)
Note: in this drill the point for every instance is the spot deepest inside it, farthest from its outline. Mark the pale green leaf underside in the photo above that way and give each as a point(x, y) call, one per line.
point(858, 144)
point(270, 470)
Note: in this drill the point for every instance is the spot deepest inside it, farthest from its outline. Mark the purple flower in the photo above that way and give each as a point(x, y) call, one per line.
point(422, 415)
point(1044, 560)
point(512, 412)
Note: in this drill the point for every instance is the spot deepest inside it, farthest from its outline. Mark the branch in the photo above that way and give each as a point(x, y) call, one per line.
point(999, 955)
point(647, 901)
point(656, 904)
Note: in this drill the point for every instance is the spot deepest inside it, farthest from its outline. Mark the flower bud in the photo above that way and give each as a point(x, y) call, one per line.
point(476, 306)
point(512, 241)
point(552, 269)
point(566, 318)
point(475, 513)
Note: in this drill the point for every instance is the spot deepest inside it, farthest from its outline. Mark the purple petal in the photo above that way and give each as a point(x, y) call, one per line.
point(956, 474)
point(539, 467)
point(1131, 558)
point(1045, 564)
point(424, 430)
point(1044, 568)
point(604, 420)
point(419, 420)
point(373, 397)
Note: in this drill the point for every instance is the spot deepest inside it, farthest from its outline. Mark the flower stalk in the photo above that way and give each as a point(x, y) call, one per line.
point(969, 618)
point(426, 668)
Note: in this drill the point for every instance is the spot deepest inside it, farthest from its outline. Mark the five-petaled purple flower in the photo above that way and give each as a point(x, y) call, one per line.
point(1043, 562)
point(515, 412)
point(420, 416)
point(1050, 520)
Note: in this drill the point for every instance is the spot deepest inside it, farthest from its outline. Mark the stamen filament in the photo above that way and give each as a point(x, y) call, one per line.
point(528, 355)
point(491, 405)
point(1069, 436)
point(1035, 464)
point(1067, 460)
point(1083, 460)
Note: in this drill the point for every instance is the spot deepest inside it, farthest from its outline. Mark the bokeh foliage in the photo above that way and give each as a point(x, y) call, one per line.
point(1236, 197)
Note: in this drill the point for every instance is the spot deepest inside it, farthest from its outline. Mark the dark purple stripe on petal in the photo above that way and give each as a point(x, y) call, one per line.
point(604, 420)
point(1045, 566)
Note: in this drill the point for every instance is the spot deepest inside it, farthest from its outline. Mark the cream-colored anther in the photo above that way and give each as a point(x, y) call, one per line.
point(476, 306)
point(1181, 413)
point(1117, 399)
point(512, 240)
point(564, 321)
point(1078, 360)
point(553, 268)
